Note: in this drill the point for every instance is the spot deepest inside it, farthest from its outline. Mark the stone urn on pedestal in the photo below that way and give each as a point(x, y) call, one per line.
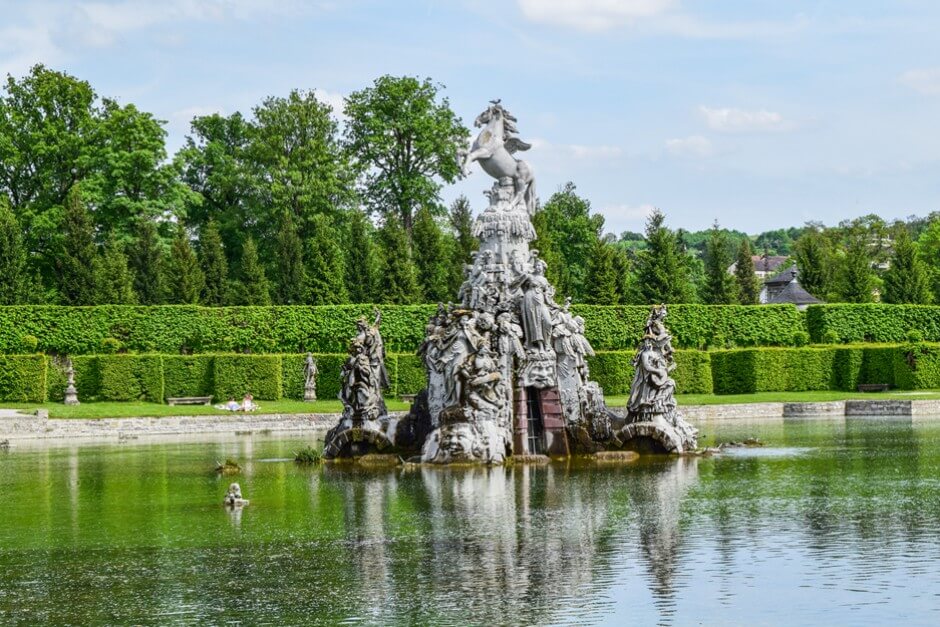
point(71, 394)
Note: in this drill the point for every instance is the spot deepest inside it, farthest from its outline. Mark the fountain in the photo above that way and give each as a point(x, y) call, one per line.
point(507, 366)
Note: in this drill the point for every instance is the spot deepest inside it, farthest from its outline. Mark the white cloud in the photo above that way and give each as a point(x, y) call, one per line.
point(336, 100)
point(731, 120)
point(580, 152)
point(692, 146)
point(924, 80)
point(23, 47)
point(628, 213)
point(592, 15)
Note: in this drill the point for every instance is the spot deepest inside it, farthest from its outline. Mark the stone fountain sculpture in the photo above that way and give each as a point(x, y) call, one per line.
point(507, 365)
point(71, 392)
point(651, 408)
point(364, 425)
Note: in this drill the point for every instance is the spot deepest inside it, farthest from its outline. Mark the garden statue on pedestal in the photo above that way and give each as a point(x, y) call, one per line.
point(310, 379)
point(71, 393)
point(233, 498)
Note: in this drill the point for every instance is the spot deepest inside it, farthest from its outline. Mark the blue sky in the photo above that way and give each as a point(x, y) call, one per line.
point(760, 114)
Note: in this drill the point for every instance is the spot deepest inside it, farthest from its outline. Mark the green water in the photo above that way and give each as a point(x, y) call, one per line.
point(830, 523)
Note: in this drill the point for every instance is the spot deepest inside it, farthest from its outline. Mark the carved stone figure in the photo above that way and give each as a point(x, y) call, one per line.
point(494, 148)
point(71, 393)
point(233, 498)
point(310, 378)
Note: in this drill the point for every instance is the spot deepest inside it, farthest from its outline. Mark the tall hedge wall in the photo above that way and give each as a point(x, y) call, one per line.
point(176, 329)
point(873, 322)
point(613, 371)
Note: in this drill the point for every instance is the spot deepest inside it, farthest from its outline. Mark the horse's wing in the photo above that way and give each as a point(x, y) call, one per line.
point(514, 144)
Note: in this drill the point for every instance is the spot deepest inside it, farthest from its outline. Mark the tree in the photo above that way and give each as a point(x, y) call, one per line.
point(252, 286)
point(184, 278)
point(814, 262)
point(296, 149)
point(432, 261)
point(76, 260)
point(720, 288)
point(403, 139)
point(399, 284)
point(557, 271)
point(662, 272)
point(928, 246)
point(48, 122)
point(326, 267)
point(855, 281)
point(115, 281)
point(215, 163)
point(13, 286)
point(748, 284)
point(146, 263)
point(291, 277)
point(461, 221)
point(601, 277)
point(623, 267)
point(566, 223)
point(214, 266)
point(906, 280)
point(362, 262)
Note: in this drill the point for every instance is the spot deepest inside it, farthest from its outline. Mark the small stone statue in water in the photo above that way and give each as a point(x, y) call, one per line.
point(310, 379)
point(233, 497)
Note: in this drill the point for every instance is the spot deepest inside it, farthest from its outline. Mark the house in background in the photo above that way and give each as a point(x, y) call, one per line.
point(784, 287)
point(764, 265)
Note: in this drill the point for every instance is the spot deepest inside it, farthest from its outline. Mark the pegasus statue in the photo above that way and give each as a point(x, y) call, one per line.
point(494, 148)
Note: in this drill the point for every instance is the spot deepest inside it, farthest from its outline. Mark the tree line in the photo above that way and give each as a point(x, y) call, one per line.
point(288, 206)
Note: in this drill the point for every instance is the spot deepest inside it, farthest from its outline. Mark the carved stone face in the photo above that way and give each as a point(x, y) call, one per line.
point(457, 441)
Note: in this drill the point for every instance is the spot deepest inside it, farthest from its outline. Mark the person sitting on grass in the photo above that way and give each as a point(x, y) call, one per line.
point(248, 403)
point(232, 404)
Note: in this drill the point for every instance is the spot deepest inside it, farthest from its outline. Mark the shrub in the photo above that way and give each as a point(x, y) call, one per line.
point(411, 376)
point(308, 455)
point(23, 378)
point(188, 375)
point(110, 345)
point(28, 344)
point(917, 366)
point(130, 378)
point(830, 337)
point(175, 329)
point(914, 336)
point(800, 338)
point(873, 322)
point(744, 371)
point(237, 375)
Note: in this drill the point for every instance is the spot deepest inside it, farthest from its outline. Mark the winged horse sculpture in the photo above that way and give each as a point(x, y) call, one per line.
point(494, 148)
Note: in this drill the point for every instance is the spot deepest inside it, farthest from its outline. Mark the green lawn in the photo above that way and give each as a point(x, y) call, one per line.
point(131, 410)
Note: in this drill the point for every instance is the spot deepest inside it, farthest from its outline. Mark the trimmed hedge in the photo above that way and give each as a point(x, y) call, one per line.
point(237, 375)
point(23, 378)
point(188, 375)
point(613, 371)
point(130, 378)
point(185, 329)
point(872, 322)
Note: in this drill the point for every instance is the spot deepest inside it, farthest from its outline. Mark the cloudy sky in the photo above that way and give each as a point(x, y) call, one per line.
point(761, 114)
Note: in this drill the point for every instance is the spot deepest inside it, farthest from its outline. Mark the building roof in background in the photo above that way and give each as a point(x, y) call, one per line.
point(793, 293)
point(763, 263)
point(786, 275)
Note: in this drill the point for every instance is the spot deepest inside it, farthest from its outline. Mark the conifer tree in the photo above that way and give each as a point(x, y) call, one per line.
point(13, 272)
point(601, 276)
point(855, 278)
point(146, 262)
point(399, 284)
point(362, 262)
point(463, 244)
point(290, 274)
point(814, 262)
point(928, 249)
point(326, 267)
point(906, 280)
point(557, 271)
point(748, 283)
point(662, 271)
point(720, 288)
point(184, 278)
point(75, 263)
point(623, 269)
point(252, 286)
point(115, 280)
point(432, 263)
point(214, 266)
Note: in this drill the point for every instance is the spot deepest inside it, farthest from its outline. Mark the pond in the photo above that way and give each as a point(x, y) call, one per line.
point(831, 522)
